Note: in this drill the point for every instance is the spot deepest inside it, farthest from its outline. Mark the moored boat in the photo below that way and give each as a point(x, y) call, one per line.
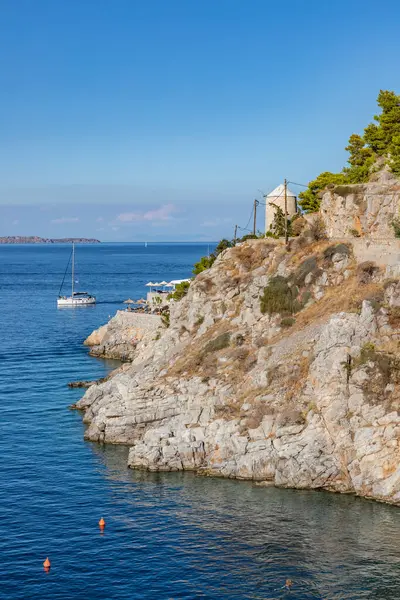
point(76, 298)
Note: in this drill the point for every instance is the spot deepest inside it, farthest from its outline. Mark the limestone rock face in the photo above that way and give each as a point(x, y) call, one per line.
point(120, 336)
point(236, 388)
point(363, 209)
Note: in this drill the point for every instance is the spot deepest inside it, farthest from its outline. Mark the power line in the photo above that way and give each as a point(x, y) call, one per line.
point(259, 203)
point(248, 222)
point(268, 203)
point(300, 184)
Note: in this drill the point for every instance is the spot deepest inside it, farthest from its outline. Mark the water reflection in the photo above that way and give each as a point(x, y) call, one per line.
point(234, 539)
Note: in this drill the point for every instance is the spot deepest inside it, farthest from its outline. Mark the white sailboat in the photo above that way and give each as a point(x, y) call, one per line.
point(76, 298)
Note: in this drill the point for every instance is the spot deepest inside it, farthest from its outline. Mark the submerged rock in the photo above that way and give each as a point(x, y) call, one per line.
point(80, 384)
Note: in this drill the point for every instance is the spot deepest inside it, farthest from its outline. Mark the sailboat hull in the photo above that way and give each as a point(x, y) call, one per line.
point(76, 298)
point(72, 302)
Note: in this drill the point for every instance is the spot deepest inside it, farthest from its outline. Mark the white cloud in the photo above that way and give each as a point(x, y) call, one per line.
point(115, 228)
point(164, 213)
point(99, 219)
point(65, 220)
point(15, 222)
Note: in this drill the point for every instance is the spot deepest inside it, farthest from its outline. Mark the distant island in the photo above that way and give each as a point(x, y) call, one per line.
point(34, 239)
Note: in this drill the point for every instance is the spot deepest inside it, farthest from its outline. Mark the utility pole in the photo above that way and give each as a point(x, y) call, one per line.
point(235, 235)
point(286, 227)
point(255, 216)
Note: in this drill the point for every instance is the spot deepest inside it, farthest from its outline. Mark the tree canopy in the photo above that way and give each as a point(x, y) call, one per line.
point(207, 261)
point(380, 139)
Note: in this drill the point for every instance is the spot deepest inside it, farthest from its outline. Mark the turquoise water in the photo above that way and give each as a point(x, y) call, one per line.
point(168, 536)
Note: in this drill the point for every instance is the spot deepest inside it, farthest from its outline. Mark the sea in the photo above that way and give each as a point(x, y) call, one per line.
point(168, 536)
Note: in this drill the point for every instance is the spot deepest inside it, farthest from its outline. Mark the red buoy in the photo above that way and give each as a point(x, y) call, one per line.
point(47, 564)
point(102, 523)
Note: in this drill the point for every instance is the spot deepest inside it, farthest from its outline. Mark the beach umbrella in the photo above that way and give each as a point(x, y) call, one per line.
point(141, 301)
point(163, 283)
point(129, 301)
point(150, 284)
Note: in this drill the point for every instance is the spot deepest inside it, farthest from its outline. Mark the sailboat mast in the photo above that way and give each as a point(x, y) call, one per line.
point(73, 268)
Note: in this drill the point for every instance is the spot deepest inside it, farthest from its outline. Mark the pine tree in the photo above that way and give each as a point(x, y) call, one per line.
point(381, 138)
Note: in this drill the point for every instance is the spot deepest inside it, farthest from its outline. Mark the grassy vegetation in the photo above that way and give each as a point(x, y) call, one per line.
point(287, 322)
point(288, 295)
point(279, 297)
point(218, 343)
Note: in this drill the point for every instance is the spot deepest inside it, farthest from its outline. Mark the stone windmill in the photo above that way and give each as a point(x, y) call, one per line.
point(277, 198)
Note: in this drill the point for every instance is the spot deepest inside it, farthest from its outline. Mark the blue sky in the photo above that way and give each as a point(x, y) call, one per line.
point(129, 120)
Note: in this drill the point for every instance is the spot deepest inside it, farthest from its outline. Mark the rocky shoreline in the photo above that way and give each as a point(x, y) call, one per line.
point(236, 387)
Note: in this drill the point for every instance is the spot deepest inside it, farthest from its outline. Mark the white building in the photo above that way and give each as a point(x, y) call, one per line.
point(277, 198)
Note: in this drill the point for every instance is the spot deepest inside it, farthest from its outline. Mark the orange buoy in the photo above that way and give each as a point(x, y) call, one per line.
point(47, 563)
point(102, 523)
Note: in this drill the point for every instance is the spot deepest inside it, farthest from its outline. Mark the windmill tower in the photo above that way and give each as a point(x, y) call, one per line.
point(277, 198)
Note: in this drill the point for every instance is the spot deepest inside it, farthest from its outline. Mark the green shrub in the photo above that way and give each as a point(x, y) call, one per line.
point(396, 227)
point(181, 289)
point(317, 230)
point(204, 263)
point(298, 223)
point(287, 322)
point(387, 365)
point(367, 350)
point(305, 297)
point(200, 320)
point(305, 268)
point(248, 236)
point(277, 227)
point(376, 300)
point(366, 270)
point(310, 199)
point(355, 233)
point(218, 343)
point(165, 318)
point(207, 261)
point(337, 249)
point(279, 297)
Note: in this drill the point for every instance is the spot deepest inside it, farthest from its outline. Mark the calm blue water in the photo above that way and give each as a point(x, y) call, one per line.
point(168, 536)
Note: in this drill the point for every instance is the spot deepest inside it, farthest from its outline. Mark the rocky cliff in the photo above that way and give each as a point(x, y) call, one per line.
point(120, 337)
point(365, 209)
point(281, 365)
